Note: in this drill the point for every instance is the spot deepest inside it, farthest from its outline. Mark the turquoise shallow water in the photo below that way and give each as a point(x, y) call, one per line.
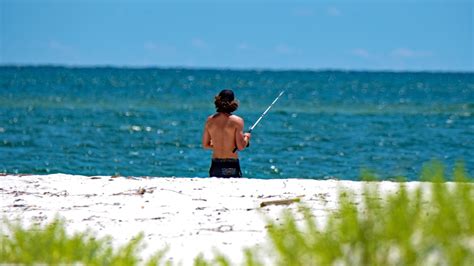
point(148, 122)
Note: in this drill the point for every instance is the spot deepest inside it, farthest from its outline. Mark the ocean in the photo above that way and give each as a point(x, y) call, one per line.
point(149, 121)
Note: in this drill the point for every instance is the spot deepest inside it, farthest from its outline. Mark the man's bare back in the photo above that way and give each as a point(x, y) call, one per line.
point(223, 133)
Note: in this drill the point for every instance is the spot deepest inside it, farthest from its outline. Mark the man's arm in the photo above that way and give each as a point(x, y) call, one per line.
point(241, 138)
point(206, 137)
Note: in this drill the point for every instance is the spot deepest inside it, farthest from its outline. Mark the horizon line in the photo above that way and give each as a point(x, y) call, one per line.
point(220, 68)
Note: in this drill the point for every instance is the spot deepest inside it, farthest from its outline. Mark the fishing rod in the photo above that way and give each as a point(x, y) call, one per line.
point(264, 113)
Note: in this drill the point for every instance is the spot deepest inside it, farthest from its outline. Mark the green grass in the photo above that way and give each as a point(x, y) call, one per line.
point(52, 245)
point(409, 227)
point(433, 225)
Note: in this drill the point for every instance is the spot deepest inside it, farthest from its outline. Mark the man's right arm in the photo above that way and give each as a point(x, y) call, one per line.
point(241, 139)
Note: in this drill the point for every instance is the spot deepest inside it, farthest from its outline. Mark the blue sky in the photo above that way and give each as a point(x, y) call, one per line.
point(350, 35)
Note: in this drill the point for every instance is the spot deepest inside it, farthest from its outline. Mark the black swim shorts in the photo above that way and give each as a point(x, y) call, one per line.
point(225, 168)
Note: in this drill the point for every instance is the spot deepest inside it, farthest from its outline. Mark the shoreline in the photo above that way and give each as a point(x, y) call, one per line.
point(188, 215)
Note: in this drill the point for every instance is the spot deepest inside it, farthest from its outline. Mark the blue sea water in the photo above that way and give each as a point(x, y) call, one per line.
point(148, 122)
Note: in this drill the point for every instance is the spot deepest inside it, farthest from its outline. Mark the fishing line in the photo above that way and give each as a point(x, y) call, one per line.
point(264, 113)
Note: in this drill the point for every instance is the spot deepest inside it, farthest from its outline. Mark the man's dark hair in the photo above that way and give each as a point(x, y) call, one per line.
point(225, 102)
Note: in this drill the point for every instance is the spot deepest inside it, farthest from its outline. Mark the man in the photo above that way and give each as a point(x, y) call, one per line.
point(223, 133)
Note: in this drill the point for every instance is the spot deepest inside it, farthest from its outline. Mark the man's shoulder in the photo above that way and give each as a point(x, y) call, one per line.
point(236, 121)
point(236, 118)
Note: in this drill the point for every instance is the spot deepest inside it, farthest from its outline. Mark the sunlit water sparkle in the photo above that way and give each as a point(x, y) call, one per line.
point(148, 122)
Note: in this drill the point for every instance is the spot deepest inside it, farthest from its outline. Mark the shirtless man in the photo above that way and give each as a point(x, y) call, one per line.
point(223, 133)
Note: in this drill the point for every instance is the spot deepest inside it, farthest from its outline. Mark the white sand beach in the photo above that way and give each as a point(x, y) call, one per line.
point(190, 215)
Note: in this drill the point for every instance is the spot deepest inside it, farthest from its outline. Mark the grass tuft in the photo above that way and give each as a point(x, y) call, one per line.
point(51, 245)
point(408, 227)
